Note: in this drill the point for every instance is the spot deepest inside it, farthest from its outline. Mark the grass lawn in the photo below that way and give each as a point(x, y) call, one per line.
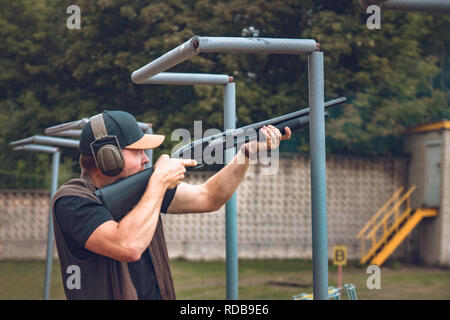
point(258, 280)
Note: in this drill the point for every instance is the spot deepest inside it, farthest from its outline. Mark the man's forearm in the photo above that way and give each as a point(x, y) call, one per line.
point(224, 183)
point(138, 226)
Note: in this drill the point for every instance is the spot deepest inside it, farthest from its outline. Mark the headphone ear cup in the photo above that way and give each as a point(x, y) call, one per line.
point(110, 160)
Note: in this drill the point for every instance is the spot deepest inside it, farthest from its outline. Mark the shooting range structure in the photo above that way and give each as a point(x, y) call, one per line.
point(229, 102)
point(432, 6)
point(309, 47)
point(47, 145)
point(73, 129)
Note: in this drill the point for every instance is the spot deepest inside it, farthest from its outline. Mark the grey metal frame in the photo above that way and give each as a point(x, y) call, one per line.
point(72, 129)
point(435, 6)
point(229, 101)
point(44, 140)
point(41, 144)
point(310, 47)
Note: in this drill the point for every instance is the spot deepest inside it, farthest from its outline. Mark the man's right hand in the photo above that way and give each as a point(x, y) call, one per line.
point(171, 170)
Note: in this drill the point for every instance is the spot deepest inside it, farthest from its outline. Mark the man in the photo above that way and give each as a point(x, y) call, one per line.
point(102, 258)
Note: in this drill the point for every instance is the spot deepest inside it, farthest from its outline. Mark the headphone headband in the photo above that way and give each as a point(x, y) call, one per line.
point(98, 126)
point(105, 149)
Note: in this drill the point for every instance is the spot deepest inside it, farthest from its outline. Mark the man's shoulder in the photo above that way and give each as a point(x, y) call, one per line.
point(79, 188)
point(74, 201)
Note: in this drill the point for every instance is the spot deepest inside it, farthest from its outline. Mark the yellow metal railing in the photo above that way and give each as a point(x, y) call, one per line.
point(380, 222)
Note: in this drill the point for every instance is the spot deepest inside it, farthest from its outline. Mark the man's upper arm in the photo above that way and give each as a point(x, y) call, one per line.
point(90, 225)
point(191, 198)
point(79, 217)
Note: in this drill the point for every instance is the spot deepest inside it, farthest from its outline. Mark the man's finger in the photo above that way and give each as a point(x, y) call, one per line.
point(276, 131)
point(273, 134)
point(267, 134)
point(287, 133)
point(189, 162)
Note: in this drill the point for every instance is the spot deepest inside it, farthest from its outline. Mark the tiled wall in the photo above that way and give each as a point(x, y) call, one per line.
point(274, 214)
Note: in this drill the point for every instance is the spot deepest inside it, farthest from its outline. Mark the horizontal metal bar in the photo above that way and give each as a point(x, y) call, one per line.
point(437, 6)
point(256, 45)
point(197, 44)
point(175, 78)
point(144, 126)
point(36, 147)
point(52, 141)
point(79, 124)
point(68, 133)
point(68, 129)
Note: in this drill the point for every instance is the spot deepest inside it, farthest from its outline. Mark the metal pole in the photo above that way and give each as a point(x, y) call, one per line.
point(68, 133)
point(181, 53)
point(149, 152)
point(54, 187)
point(256, 45)
point(435, 6)
point(37, 139)
point(318, 175)
point(78, 124)
point(61, 129)
point(197, 44)
point(174, 78)
point(35, 147)
point(231, 206)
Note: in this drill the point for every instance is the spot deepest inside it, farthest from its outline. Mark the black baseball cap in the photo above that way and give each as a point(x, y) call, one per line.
point(125, 127)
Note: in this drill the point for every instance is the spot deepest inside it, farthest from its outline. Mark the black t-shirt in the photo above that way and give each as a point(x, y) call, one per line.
point(79, 217)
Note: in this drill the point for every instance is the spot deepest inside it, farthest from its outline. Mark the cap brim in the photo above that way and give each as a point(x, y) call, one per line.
point(148, 141)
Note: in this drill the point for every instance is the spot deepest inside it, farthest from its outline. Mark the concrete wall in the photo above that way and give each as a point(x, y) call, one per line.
point(23, 224)
point(274, 214)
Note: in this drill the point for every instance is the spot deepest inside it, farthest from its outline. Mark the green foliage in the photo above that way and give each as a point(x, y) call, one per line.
point(394, 78)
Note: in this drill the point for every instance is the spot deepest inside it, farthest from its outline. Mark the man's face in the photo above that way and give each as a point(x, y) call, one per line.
point(135, 161)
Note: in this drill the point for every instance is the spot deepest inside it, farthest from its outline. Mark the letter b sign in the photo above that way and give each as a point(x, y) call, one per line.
point(339, 255)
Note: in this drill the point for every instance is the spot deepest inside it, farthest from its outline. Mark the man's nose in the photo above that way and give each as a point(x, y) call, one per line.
point(145, 159)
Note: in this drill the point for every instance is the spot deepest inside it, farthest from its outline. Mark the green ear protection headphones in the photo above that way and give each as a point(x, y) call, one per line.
point(105, 149)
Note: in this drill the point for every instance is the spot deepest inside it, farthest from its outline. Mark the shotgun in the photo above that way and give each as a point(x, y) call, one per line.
point(121, 196)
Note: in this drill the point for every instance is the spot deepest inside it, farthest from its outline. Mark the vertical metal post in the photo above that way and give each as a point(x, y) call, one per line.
point(318, 175)
point(149, 152)
point(54, 187)
point(231, 205)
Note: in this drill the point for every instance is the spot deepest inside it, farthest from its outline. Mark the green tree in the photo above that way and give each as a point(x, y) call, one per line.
point(394, 77)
